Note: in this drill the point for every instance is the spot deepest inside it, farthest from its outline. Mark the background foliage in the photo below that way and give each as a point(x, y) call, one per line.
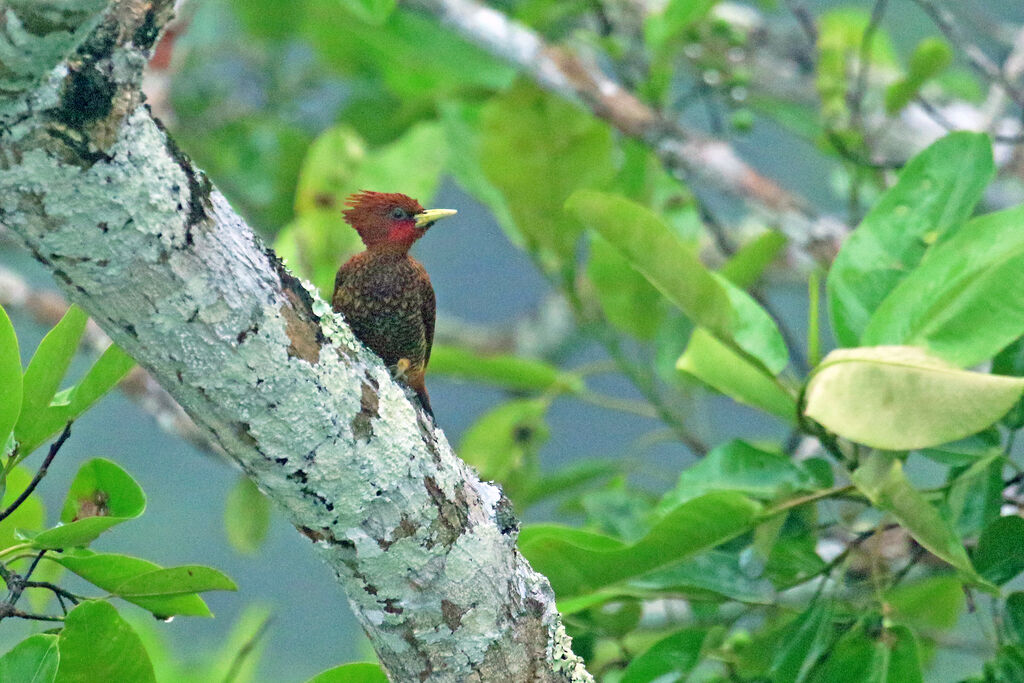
point(777, 463)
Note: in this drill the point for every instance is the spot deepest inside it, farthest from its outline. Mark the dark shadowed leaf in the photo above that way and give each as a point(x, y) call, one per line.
point(936, 192)
point(901, 398)
point(674, 656)
point(999, 556)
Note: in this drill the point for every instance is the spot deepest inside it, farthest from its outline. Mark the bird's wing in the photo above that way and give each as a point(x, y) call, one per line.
point(429, 311)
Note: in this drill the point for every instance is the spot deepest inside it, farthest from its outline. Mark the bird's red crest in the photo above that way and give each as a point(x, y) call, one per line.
point(371, 214)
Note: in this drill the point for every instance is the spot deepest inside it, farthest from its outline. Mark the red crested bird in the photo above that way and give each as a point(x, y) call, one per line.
point(385, 294)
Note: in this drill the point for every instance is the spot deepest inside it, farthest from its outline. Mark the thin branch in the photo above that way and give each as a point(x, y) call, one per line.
point(54, 448)
point(805, 20)
point(864, 63)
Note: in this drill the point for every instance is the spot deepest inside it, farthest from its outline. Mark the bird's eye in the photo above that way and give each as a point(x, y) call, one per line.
point(398, 213)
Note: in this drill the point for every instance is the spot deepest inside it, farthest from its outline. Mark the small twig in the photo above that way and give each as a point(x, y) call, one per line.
point(245, 651)
point(621, 405)
point(938, 117)
point(864, 64)
point(40, 474)
point(806, 21)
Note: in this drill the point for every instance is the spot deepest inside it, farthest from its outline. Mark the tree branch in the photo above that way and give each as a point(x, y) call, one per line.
point(140, 239)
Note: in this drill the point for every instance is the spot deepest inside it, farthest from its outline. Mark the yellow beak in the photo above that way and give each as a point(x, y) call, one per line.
point(427, 218)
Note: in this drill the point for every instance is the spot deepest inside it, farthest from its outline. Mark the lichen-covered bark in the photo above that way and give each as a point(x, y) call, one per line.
point(138, 237)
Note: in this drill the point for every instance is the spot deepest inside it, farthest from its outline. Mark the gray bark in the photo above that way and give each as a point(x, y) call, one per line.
point(139, 238)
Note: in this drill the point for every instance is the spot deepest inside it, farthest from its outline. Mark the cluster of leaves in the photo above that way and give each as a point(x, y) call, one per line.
point(837, 566)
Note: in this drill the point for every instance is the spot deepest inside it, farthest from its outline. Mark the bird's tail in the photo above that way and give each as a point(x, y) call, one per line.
point(415, 381)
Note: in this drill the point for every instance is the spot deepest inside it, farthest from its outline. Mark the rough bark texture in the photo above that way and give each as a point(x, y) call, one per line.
point(137, 236)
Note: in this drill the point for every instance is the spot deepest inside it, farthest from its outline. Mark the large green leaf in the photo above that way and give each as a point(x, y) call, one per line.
point(882, 480)
point(673, 656)
point(976, 495)
point(709, 299)
point(712, 574)
point(963, 302)
point(66, 406)
point(901, 398)
point(514, 373)
point(101, 496)
point(358, 672)
point(936, 192)
point(579, 562)
point(999, 556)
point(145, 583)
point(629, 301)
point(246, 516)
point(96, 644)
point(721, 368)
point(371, 11)
point(891, 657)
point(45, 371)
point(33, 660)
point(10, 378)
point(738, 466)
point(537, 150)
point(803, 642)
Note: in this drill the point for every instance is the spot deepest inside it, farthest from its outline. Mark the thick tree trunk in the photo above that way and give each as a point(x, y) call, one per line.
point(138, 237)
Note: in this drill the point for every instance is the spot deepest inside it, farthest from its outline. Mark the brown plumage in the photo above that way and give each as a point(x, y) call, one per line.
point(385, 294)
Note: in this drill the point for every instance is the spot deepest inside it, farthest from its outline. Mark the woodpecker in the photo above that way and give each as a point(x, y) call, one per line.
point(385, 294)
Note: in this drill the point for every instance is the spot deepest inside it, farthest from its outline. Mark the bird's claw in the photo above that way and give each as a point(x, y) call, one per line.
point(400, 369)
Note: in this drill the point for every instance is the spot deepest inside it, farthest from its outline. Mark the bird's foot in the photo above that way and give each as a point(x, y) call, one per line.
point(400, 369)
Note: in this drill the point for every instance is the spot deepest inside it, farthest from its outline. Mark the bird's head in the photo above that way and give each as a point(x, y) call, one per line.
point(390, 219)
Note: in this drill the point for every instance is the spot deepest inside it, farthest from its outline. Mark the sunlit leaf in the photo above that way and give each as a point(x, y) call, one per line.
point(675, 655)
point(515, 373)
point(748, 264)
point(504, 439)
point(931, 57)
point(372, 11)
point(901, 398)
point(359, 672)
point(629, 301)
point(29, 516)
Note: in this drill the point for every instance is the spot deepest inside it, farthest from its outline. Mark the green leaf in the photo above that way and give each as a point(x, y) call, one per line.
point(174, 581)
point(738, 466)
point(628, 300)
point(856, 658)
point(962, 302)
point(101, 496)
point(930, 58)
point(110, 571)
point(936, 192)
point(29, 516)
point(359, 672)
point(514, 373)
point(371, 11)
point(10, 378)
point(96, 644)
point(46, 370)
point(1015, 615)
point(803, 642)
point(746, 266)
point(566, 480)
point(934, 603)
point(999, 556)
point(707, 298)
point(678, 15)
point(103, 376)
point(246, 516)
point(538, 149)
point(505, 439)
point(1010, 361)
point(713, 574)
point(901, 398)
point(726, 371)
point(976, 495)
point(882, 480)
point(579, 562)
point(33, 660)
point(675, 655)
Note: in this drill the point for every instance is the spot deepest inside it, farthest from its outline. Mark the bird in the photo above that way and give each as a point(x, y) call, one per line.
point(384, 294)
